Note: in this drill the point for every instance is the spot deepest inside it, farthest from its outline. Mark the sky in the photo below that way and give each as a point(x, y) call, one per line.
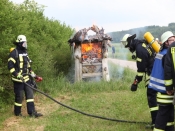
point(112, 15)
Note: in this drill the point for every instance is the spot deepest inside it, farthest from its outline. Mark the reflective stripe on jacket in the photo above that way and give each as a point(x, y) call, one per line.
point(164, 99)
point(157, 74)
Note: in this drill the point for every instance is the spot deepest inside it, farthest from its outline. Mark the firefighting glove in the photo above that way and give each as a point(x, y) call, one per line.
point(19, 76)
point(32, 74)
point(134, 85)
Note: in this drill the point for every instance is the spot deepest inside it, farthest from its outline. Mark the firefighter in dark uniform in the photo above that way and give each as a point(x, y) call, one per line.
point(144, 59)
point(19, 66)
point(163, 122)
point(165, 116)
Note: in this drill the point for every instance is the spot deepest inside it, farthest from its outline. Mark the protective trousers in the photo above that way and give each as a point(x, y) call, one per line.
point(19, 90)
point(152, 102)
point(165, 118)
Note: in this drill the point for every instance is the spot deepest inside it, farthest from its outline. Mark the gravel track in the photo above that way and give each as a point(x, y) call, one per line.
point(124, 63)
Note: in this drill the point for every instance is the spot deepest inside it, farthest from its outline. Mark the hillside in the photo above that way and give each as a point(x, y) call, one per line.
point(156, 31)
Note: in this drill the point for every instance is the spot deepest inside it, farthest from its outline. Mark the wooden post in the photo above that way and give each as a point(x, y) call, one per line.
point(105, 69)
point(78, 65)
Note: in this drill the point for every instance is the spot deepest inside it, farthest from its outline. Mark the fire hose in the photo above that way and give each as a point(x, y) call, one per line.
point(90, 115)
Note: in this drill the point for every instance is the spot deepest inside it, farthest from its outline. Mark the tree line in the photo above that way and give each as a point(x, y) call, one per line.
point(47, 41)
point(156, 31)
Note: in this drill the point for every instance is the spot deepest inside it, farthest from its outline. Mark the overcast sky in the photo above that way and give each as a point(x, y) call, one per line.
point(112, 15)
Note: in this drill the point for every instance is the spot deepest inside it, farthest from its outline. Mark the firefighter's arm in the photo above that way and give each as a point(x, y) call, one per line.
point(141, 65)
point(11, 64)
point(138, 77)
point(32, 73)
point(141, 60)
point(140, 69)
point(168, 72)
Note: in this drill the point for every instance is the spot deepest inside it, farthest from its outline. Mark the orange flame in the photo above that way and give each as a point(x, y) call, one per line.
point(86, 47)
point(93, 48)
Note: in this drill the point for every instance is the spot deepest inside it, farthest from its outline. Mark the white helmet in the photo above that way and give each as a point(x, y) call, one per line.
point(124, 39)
point(166, 35)
point(21, 38)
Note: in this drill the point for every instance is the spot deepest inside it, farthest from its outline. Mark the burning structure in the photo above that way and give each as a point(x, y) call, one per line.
point(90, 53)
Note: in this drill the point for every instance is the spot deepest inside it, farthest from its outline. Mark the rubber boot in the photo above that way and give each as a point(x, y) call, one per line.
point(35, 114)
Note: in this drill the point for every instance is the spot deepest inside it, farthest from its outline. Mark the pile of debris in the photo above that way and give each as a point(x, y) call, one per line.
point(82, 35)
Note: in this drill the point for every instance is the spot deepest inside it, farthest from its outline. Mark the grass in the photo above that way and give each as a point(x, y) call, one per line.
point(107, 99)
point(112, 100)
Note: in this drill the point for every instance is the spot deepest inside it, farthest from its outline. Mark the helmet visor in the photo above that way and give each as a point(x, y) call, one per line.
point(124, 43)
point(24, 44)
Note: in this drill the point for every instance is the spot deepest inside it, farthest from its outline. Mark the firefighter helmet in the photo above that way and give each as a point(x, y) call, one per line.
point(21, 38)
point(124, 39)
point(127, 39)
point(166, 35)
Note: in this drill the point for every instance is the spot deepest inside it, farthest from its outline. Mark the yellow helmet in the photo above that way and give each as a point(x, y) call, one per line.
point(11, 49)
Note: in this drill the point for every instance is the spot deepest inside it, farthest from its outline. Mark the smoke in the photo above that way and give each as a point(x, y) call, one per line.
point(71, 73)
point(115, 71)
point(93, 79)
point(139, 32)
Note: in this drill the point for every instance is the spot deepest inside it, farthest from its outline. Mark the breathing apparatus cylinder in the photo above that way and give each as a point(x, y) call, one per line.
point(11, 49)
point(152, 42)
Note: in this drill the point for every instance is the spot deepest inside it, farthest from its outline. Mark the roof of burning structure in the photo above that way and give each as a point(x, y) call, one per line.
point(82, 35)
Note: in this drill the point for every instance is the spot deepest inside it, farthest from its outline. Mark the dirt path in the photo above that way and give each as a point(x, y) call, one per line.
point(124, 63)
point(15, 123)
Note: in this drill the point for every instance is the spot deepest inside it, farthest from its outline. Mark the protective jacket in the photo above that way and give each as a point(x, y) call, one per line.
point(157, 74)
point(18, 62)
point(169, 67)
point(144, 59)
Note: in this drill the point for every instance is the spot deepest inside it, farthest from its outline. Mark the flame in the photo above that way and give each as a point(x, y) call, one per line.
point(92, 48)
point(87, 47)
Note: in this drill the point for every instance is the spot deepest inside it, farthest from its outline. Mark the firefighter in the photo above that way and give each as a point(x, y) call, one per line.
point(19, 67)
point(144, 60)
point(163, 75)
point(157, 83)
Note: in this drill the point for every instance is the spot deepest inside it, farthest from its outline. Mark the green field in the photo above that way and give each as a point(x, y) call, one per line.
point(112, 100)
